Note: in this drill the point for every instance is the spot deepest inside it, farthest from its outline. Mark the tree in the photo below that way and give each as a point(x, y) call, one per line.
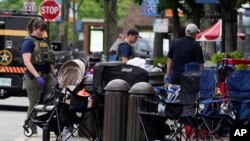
point(110, 23)
point(211, 16)
point(228, 14)
point(189, 8)
point(229, 25)
point(112, 15)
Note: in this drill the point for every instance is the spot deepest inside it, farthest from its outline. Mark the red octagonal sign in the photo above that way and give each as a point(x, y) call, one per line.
point(49, 9)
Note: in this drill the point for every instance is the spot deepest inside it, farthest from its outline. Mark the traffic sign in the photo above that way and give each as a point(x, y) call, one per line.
point(49, 9)
point(160, 25)
point(29, 6)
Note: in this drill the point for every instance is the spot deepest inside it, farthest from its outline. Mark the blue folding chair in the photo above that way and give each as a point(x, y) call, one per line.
point(238, 84)
point(193, 66)
point(207, 121)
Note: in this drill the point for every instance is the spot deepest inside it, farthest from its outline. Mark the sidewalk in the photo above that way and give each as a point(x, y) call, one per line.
point(53, 138)
point(39, 137)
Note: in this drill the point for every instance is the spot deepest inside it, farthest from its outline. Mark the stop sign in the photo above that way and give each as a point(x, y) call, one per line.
point(49, 9)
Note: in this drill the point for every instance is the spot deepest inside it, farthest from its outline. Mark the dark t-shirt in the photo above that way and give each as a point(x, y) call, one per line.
point(28, 47)
point(185, 50)
point(125, 50)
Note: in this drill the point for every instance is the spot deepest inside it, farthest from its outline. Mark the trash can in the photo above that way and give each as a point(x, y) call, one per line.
point(156, 78)
point(87, 126)
point(138, 90)
point(115, 110)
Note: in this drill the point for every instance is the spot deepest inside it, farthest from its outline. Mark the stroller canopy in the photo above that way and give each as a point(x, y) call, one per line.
point(71, 73)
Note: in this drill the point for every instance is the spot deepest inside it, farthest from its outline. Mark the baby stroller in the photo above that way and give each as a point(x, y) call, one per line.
point(68, 105)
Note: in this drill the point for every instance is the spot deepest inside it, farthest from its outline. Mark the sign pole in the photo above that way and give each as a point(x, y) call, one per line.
point(48, 24)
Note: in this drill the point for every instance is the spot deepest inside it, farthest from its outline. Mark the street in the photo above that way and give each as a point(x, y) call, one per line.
point(11, 125)
point(12, 121)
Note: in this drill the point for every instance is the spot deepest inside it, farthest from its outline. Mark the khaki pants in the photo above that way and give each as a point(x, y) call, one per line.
point(34, 91)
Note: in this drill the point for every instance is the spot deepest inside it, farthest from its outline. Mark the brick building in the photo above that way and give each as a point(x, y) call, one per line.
point(135, 20)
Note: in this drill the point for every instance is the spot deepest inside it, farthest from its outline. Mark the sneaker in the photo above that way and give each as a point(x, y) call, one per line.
point(34, 135)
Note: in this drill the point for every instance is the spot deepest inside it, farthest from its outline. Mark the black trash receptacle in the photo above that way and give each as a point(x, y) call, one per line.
point(156, 78)
point(88, 127)
point(115, 110)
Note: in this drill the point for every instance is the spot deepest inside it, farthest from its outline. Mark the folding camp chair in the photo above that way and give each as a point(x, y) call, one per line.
point(153, 117)
point(169, 109)
point(238, 84)
point(210, 105)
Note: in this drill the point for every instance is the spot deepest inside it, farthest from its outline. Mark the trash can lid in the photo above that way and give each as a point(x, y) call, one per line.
point(117, 85)
point(142, 88)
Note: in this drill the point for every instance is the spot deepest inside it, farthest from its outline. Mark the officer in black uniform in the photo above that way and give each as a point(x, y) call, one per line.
point(183, 51)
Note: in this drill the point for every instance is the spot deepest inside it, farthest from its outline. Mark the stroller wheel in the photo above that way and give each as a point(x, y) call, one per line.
point(27, 132)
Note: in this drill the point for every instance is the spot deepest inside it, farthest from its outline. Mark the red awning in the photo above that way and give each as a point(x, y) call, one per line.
point(214, 32)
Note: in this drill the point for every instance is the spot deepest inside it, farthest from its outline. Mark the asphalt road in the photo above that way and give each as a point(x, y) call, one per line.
point(12, 116)
point(13, 113)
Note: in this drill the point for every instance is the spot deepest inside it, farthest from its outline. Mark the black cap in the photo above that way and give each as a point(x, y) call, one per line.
point(133, 31)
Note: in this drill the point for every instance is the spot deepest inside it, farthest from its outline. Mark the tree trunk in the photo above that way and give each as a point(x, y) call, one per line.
point(196, 14)
point(176, 22)
point(229, 25)
point(158, 45)
point(63, 35)
point(110, 24)
point(209, 20)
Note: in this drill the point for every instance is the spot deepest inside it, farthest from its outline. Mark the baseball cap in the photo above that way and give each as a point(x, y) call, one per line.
point(192, 28)
point(133, 31)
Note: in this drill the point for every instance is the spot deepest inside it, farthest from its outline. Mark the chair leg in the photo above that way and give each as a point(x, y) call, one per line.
point(143, 128)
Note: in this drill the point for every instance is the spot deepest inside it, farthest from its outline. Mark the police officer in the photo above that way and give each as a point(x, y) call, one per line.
point(183, 51)
point(39, 76)
point(125, 49)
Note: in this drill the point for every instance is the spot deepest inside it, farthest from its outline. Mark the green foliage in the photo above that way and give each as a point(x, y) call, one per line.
point(161, 60)
point(90, 9)
point(217, 57)
point(11, 5)
point(17, 5)
point(236, 55)
point(240, 67)
point(123, 6)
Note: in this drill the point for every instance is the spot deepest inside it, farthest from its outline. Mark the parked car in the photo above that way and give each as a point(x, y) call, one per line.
point(144, 47)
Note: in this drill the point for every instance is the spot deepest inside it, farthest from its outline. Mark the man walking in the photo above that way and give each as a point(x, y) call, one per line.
point(183, 51)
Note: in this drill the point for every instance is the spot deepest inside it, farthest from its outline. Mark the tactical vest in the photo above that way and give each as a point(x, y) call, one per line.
point(119, 58)
point(40, 52)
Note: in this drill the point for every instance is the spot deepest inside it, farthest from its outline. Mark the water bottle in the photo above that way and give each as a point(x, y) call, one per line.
point(161, 109)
